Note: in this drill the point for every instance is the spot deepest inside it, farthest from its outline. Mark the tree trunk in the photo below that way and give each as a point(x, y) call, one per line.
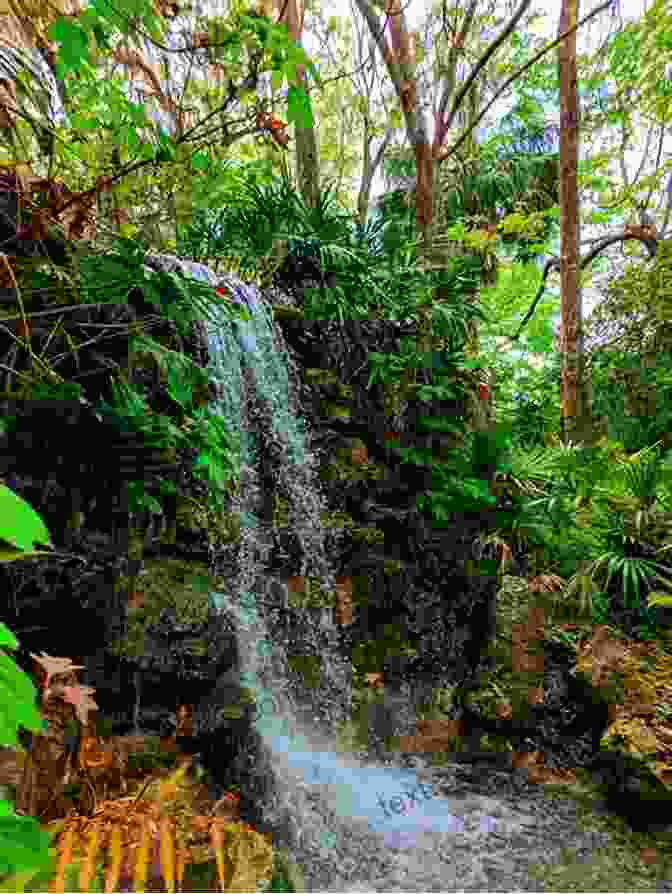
point(369, 167)
point(307, 163)
point(290, 13)
point(575, 412)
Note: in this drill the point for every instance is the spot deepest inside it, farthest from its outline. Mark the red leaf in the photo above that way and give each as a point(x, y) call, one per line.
point(80, 698)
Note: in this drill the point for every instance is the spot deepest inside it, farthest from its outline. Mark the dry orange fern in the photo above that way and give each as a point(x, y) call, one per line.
point(139, 833)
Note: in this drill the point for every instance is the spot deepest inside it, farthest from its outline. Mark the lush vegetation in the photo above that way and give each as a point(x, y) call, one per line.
point(596, 514)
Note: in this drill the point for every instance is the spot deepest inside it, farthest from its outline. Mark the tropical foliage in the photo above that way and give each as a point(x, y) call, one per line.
point(95, 170)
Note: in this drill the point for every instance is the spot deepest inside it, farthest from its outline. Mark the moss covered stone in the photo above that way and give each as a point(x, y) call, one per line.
point(332, 410)
point(330, 520)
point(280, 513)
point(368, 535)
point(219, 527)
point(182, 586)
point(317, 376)
point(309, 668)
point(312, 595)
point(345, 470)
point(280, 312)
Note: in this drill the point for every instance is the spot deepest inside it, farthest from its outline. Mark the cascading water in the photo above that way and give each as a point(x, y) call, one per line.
point(337, 804)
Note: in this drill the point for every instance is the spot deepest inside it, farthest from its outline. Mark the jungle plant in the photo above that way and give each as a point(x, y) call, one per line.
point(533, 470)
point(180, 299)
point(265, 212)
point(633, 534)
point(491, 452)
point(632, 394)
point(218, 460)
point(643, 477)
point(634, 571)
point(24, 846)
point(130, 412)
point(523, 527)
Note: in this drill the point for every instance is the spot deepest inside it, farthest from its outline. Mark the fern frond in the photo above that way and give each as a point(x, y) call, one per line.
point(57, 885)
point(87, 868)
point(167, 852)
point(142, 858)
point(116, 852)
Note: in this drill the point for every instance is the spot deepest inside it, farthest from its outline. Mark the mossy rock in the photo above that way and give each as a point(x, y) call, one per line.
point(499, 687)
point(373, 471)
point(343, 468)
point(280, 312)
point(393, 397)
point(344, 452)
point(280, 513)
point(331, 520)
point(173, 584)
point(369, 535)
point(313, 596)
point(219, 527)
point(339, 471)
point(360, 590)
point(331, 410)
point(392, 566)
point(640, 687)
point(309, 668)
point(369, 656)
point(344, 391)
point(315, 375)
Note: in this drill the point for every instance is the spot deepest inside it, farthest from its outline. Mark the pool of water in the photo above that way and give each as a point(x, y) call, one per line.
point(392, 801)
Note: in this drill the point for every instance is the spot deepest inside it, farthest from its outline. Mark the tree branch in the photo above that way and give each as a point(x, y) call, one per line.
point(553, 263)
point(452, 149)
point(487, 55)
point(440, 128)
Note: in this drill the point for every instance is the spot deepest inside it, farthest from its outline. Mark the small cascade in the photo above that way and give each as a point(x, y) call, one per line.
point(330, 797)
point(256, 400)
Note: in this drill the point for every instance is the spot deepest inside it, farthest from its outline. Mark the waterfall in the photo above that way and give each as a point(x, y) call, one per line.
point(256, 401)
point(332, 798)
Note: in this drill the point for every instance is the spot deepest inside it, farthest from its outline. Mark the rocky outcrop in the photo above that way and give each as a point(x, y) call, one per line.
point(342, 565)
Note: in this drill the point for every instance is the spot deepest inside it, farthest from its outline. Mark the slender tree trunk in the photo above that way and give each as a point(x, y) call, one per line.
point(290, 12)
point(575, 412)
point(369, 167)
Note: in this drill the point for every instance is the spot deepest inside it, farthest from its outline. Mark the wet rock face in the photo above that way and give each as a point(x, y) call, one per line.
point(567, 726)
point(442, 597)
point(232, 753)
point(439, 598)
point(632, 791)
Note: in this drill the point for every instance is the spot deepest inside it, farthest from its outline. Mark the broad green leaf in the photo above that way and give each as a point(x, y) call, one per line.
point(74, 43)
point(200, 161)
point(298, 107)
point(7, 638)
point(21, 526)
point(25, 844)
point(289, 70)
point(137, 113)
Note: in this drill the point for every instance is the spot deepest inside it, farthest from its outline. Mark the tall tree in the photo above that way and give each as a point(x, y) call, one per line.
point(291, 13)
point(573, 391)
point(367, 77)
point(399, 56)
